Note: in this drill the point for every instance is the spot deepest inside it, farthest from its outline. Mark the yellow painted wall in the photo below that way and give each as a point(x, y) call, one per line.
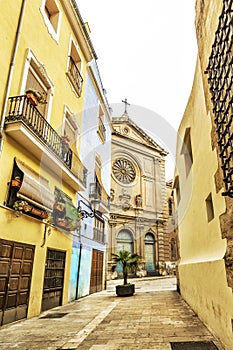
point(202, 274)
point(53, 56)
point(50, 53)
point(27, 230)
point(6, 40)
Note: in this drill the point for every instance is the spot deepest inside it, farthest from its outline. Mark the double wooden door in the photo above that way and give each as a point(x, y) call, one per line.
point(16, 262)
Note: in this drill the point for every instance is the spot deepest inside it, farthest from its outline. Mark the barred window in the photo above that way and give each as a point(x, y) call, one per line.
point(220, 79)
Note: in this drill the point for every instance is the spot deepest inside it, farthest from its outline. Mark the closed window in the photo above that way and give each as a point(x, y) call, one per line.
point(98, 230)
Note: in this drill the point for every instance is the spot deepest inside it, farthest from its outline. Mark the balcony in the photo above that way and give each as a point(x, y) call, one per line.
point(101, 130)
point(75, 76)
point(27, 126)
point(97, 192)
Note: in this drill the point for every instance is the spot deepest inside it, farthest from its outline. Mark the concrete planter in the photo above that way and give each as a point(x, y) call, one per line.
point(125, 291)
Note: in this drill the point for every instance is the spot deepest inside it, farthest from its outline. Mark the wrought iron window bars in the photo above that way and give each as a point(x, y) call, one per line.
point(220, 79)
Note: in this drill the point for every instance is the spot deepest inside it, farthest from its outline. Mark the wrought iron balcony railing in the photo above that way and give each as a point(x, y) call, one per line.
point(20, 109)
point(75, 76)
point(102, 129)
point(98, 192)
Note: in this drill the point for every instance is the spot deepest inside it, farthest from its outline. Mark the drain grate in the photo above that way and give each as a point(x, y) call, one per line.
point(194, 345)
point(55, 315)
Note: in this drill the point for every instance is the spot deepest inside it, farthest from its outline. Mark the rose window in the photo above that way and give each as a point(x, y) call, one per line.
point(124, 171)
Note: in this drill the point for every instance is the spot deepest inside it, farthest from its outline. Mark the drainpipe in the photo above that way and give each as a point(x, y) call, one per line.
point(79, 265)
point(10, 73)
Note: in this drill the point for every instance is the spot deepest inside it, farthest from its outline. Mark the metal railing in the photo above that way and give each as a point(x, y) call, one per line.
point(220, 79)
point(20, 109)
point(98, 192)
point(102, 129)
point(75, 75)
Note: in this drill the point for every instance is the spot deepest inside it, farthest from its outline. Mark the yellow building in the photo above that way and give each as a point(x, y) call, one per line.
point(46, 48)
point(203, 178)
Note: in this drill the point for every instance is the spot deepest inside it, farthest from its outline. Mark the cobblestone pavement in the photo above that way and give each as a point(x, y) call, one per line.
point(155, 316)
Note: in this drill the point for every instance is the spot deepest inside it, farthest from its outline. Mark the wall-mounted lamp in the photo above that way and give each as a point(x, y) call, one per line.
point(91, 209)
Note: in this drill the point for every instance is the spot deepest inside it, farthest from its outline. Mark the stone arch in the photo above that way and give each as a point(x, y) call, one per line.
point(124, 242)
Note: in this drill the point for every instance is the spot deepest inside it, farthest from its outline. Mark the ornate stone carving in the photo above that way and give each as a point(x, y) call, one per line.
point(112, 194)
point(125, 198)
point(138, 200)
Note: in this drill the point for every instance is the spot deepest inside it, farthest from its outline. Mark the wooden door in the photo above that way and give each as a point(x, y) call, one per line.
point(54, 279)
point(16, 262)
point(96, 282)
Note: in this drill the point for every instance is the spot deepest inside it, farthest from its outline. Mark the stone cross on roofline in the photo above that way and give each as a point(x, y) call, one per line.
point(126, 104)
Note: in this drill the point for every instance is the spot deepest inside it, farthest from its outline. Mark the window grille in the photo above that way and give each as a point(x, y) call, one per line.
point(220, 79)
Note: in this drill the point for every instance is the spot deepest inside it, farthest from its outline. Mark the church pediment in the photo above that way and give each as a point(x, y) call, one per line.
point(126, 128)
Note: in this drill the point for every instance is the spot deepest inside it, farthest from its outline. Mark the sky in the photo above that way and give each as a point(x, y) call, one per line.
point(146, 53)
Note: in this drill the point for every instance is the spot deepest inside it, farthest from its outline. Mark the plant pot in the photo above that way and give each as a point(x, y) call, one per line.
point(27, 208)
point(15, 183)
point(36, 212)
point(44, 215)
point(39, 213)
point(125, 291)
point(32, 98)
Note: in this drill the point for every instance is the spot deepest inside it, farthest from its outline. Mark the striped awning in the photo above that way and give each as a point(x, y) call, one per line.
point(34, 188)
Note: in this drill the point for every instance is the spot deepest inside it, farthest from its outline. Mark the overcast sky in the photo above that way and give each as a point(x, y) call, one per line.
point(146, 53)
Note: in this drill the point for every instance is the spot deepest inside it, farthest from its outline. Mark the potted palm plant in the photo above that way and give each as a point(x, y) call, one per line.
point(129, 264)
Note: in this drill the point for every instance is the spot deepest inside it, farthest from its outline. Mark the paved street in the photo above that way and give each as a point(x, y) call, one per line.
point(155, 316)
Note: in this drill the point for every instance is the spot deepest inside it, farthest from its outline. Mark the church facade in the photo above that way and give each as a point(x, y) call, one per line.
point(137, 198)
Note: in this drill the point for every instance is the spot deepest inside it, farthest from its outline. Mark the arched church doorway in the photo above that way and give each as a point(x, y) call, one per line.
point(150, 254)
point(124, 242)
